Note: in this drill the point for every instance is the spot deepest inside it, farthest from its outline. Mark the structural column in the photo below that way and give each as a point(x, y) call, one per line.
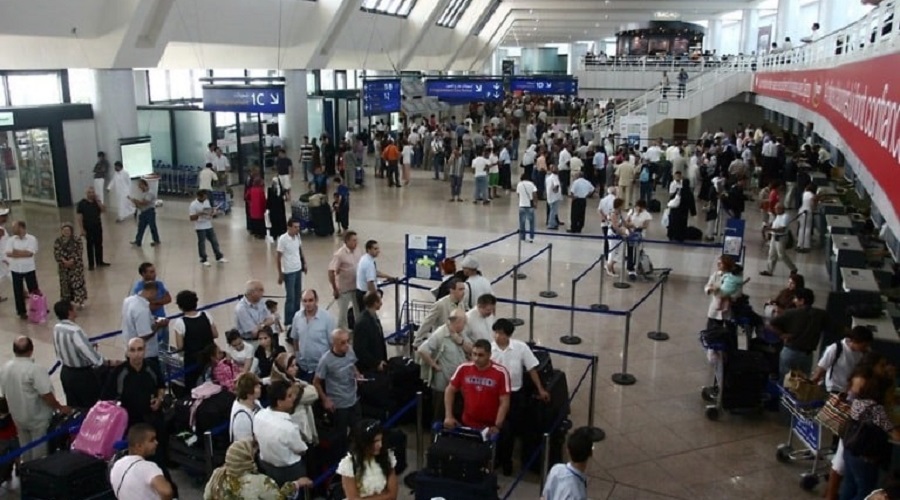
point(115, 109)
point(749, 31)
point(786, 22)
point(714, 35)
point(829, 18)
point(294, 123)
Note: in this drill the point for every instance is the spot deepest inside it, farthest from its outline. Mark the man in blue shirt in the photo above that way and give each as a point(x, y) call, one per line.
point(580, 190)
point(311, 329)
point(158, 303)
point(568, 481)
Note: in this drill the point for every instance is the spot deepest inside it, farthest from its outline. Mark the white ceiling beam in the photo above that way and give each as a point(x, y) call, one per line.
point(496, 38)
point(491, 26)
point(340, 13)
point(427, 23)
point(682, 7)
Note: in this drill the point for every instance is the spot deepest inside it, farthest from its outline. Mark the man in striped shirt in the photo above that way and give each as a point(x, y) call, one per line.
point(306, 158)
point(80, 361)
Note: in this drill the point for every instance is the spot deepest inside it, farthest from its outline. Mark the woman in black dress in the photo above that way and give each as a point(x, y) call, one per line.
point(275, 205)
point(678, 216)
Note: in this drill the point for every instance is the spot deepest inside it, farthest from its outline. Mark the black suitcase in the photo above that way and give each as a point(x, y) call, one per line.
point(547, 414)
point(460, 456)
point(374, 396)
point(405, 382)
point(544, 370)
point(429, 486)
point(746, 374)
point(396, 441)
point(322, 223)
point(66, 475)
point(693, 234)
point(654, 206)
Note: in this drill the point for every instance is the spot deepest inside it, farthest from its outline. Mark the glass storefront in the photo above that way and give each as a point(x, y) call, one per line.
point(27, 166)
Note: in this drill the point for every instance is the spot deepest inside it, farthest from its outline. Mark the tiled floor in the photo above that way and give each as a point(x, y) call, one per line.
point(658, 445)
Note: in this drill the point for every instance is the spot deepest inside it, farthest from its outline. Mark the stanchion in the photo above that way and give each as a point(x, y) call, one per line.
point(549, 293)
point(515, 316)
point(625, 378)
point(571, 338)
point(597, 433)
point(658, 334)
point(402, 338)
point(517, 274)
point(545, 463)
point(208, 447)
point(410, 479)
point(600, 306)
point(621, 283)
point(531, 322)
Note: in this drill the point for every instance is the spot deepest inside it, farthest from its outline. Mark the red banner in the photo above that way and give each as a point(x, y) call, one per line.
point(861, 101)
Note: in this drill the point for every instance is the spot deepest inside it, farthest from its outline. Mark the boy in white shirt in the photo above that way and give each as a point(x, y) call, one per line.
point(840, 359)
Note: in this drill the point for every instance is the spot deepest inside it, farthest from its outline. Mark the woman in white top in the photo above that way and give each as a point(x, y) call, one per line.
point(367, 472)
point(407, 156)
point(247, 390)
point(807, 209)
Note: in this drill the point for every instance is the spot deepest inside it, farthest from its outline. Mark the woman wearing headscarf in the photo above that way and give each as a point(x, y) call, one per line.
point(285, 368)
point(681, 208)
point(67, 250)
point(275, 199)
point(239, 478)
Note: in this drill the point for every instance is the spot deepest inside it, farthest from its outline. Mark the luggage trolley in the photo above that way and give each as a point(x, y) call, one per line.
point(809, 433)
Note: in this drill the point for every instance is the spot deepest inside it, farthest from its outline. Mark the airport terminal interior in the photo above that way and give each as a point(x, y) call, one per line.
point(678, 108)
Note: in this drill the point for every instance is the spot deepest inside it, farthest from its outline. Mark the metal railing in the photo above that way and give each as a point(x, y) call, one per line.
point(651, 63)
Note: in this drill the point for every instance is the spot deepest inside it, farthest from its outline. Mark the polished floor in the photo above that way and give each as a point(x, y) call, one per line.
point(658, 442)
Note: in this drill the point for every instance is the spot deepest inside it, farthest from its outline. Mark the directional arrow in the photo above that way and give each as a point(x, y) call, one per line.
point(275, 99)
point(549, 85)
point(496, 86)
point(496, 95)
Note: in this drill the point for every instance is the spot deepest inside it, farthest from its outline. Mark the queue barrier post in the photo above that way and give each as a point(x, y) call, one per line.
point(597, 433)
point(621, 284)
point(659, 334)
point(517, 274)
point(571, 338)
point(549, 293)
point(420, 442)
point(398, 316)
point(625, 378)
point(545, 463)
point(600, 306)
point(515, 315)
point(531, 306)
point(208, 446)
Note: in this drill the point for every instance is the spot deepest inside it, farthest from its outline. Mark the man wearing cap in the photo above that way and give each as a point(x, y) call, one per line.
point(476, 284)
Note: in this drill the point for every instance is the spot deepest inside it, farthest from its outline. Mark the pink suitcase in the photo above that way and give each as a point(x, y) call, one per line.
point(104, 424)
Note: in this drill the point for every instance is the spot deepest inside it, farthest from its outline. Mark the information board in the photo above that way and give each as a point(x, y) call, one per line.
point(465, 90)
point(381, 97)
point(544, 85)
point(423, 256)
point(733, 242)
point(244, 98)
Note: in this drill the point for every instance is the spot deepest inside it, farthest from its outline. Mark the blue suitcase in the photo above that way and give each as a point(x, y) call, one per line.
point(360, 176)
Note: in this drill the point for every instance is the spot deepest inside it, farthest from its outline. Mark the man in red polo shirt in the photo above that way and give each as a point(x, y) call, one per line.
point(485, 390)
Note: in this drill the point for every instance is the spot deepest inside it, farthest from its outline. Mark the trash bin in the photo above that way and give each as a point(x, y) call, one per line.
point(153, 183)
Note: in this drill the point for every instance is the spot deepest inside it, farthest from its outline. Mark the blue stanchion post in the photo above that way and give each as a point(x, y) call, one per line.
point(519, 275)
point(621, 284)
point(571, 338)
point(659, 334)
point(623, 377)
point(597, 433)
point(549, 293)
point(531, 306)
point(515, 316)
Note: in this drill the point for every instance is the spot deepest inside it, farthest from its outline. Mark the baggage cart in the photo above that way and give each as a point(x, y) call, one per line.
point(744, 392)
point(809, 434)
point(172, 363)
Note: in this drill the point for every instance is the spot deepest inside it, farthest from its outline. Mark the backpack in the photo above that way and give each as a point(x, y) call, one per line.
point(199, 394)
point(645, 173)
point(837, 355)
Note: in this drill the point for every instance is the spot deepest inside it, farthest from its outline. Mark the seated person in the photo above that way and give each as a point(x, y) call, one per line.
point(485, 390)
point(133, 476)
point(239, 478)
point(247, 391)
point(217, 368)
point(281, 447)
point(367, 472)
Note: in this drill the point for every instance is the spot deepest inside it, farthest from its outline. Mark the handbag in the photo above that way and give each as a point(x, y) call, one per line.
point(664, 221)
point(865, 439)
point(675, 202)
point(835, 414)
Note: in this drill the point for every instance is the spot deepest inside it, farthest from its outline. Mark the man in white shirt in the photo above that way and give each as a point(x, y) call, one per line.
point(480, 319)
point(568, 481)
point(525, 191)
point(778, 236)
point(201, 213)
point(480, 165)
point(580, 191)
point(134, 477)
point(19, 253)
point(637, 221)
point(493, 173)
point(281, 446)
point(807, 209)
point(554, 195)
point(528, 159)
point(675, 185)
point(222, 166)
point(605, 209)
point(367, 273)
point(599, 162)
point(209, 156)
point(291, 266)
point(207, 177)
point(840, 359)
point(518, 359)
point(121, 182)
point(564, 169)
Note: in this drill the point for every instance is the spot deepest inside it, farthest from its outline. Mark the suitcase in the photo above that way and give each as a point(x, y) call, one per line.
point(461, 455)
point(104, 425)
point(404, 384)
point(693, 234)
point(544, 370)
point(60, 421)
point(220, 200)
point(374, 396)
point(67, 475)
point(300, 212)
point(546, 414)
point(746, 374)
point(360, 176)
point(322, 223)
point(429, 486)
point(396, 441)
point(654, 206)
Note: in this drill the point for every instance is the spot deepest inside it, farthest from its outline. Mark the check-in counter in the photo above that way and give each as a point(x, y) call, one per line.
point(859, 280)
point(845, 251)
point(819, 179)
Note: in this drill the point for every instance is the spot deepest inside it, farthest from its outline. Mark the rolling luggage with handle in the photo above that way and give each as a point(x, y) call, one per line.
point(745, 378)
point(67, 475)
point(104, 424)
point(322, 223)
point(460, 454)
point(429, 486)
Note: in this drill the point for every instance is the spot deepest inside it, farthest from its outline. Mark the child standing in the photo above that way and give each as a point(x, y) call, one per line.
point(341, 204)
point(277, 326)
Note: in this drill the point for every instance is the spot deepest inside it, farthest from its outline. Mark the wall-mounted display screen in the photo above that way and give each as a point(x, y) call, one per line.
point(137, 156)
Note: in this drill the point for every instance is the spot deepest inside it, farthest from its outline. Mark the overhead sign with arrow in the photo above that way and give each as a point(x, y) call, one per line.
point(484, 90)
point(544, 85)
point(244, 98)
point(381, 96)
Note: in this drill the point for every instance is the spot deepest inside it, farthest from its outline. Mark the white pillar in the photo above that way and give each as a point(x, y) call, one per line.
point(115, 109)
point(141, 88)
point(749, 31)
point(829, 17)
point(714, 35)
point(294, 123)
point(786, 22)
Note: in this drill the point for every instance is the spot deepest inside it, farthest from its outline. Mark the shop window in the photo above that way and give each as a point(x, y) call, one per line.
point(34, 89)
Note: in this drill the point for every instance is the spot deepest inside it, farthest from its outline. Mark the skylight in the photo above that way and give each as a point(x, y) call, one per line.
point(453, 13)
point(399, 8)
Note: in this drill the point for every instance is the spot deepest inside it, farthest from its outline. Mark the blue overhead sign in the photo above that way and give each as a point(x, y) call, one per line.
point(544, 85)
point(465, 90)
point(244, 99)
point(381, 96)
